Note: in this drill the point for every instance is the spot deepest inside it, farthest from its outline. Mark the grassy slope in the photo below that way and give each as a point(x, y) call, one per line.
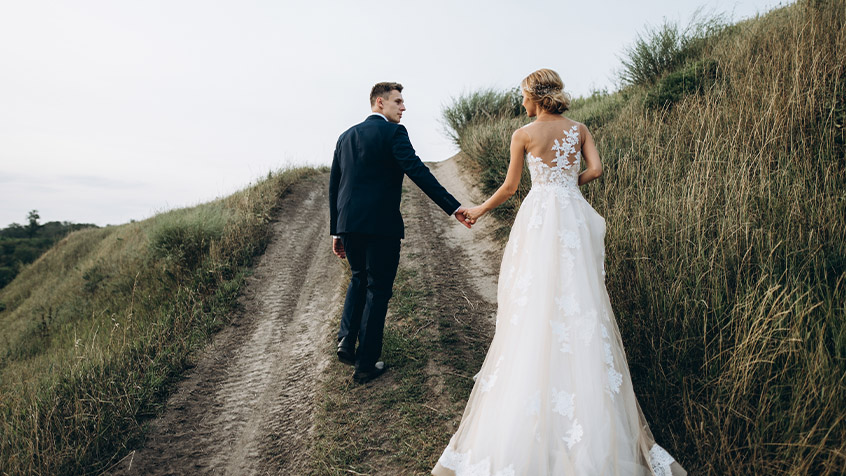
point(95, 330)
point(727, 240)
point(390, 425)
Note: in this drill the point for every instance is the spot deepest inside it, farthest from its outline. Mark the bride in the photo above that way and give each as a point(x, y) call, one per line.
point(554, 395)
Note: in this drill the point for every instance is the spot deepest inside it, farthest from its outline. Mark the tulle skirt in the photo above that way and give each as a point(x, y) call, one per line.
point(554, 395)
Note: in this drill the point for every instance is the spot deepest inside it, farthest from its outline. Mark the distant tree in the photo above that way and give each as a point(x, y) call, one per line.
point(14, 230)
point(23, 244)
point(33, 218)
point(7, 274)
point(25, 253)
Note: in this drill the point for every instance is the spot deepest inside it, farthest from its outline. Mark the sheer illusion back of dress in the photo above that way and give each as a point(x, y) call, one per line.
point(554, 395)
point(563, 169)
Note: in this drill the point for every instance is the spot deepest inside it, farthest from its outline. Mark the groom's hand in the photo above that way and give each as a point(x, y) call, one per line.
point(462, 218)
point(338, 248)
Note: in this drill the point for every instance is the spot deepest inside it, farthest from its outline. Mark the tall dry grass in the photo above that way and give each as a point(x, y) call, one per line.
point(726, 245)
point(96, 330)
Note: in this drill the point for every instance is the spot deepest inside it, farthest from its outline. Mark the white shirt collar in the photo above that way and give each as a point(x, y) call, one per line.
point(379, 114)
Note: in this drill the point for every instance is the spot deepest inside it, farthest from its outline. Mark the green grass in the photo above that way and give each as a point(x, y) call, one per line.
point(692, 79)
point(370, 428)
point(95, 332)
point(726, 243)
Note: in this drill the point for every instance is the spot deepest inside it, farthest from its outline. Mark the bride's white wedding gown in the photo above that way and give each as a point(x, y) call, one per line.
point(554, 395)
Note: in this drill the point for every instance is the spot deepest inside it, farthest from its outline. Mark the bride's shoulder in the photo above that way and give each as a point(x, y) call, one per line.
point(583, 129)
point(526, 131)
point(573, 124)
point(521, 135)
point(577, 128)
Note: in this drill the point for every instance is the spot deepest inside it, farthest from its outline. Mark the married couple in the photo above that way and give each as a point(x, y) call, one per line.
point(554, 395)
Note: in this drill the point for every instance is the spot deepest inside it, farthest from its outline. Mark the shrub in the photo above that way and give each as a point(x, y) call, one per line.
point(488, 144)
point(183, 237)
point(7, 274)
point(595, 110)
point(93, 277)
point(481, 106)
point(692, 79)
point(666, 48)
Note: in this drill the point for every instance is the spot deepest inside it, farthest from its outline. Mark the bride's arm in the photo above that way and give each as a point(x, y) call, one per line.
point(591, 155)
point(519, 141)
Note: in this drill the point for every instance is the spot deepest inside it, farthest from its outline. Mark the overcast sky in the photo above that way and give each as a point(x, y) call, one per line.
point(116, 110)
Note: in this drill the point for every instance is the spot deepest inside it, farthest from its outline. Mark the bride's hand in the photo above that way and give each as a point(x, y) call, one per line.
point(474, 213)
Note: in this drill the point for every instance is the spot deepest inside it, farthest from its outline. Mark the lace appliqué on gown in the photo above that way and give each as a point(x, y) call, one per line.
point(563, 170)
point(615, 379)
point(660, 461)
point(488, 382)
point(460, 463)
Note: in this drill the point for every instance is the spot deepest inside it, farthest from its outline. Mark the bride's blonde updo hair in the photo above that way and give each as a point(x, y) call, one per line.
point(545, 88)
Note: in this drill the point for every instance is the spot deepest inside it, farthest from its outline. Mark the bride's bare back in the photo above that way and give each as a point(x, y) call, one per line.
point(545, 139)
point(559, 141)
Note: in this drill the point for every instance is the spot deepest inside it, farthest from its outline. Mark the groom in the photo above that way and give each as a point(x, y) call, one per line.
point(365, 188)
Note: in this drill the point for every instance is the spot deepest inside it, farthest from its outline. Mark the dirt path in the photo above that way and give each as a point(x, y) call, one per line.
point(461, 268)
point(247, 406)
point(438, 329)
point(482, 252)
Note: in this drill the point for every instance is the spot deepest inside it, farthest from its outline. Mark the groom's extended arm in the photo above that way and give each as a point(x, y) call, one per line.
point(419, 173)
point(334, 183)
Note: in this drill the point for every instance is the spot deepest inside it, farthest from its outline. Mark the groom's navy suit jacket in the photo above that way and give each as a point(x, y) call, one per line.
point(365, 185)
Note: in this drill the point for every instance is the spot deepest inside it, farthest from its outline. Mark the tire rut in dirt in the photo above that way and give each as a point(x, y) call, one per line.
point(464, 317)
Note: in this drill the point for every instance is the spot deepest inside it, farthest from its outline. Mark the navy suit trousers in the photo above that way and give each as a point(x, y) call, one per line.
point(373, 261)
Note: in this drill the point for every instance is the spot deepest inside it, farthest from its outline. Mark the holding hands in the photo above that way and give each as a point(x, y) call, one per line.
point(465, 216)
point(473, 214)
point(461, 216)
point(468, 216)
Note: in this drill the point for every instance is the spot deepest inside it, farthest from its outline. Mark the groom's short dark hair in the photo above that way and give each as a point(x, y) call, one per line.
point(383, 90)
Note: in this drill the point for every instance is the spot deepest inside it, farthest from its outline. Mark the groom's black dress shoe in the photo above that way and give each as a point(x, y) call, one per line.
point(364, 376)
point(346, 350)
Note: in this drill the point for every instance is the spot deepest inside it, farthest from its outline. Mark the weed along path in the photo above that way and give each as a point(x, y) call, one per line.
point(247, 406)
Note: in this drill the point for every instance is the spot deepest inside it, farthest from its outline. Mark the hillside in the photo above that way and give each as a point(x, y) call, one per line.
point(247, 405)
point(95, 331)
point(724, 188)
